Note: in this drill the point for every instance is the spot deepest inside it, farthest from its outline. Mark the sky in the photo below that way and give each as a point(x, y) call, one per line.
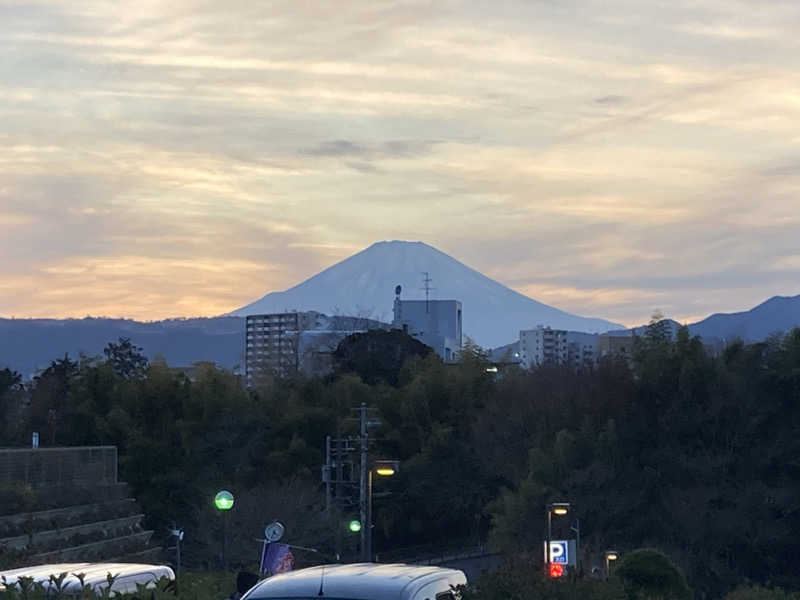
point(608, 157)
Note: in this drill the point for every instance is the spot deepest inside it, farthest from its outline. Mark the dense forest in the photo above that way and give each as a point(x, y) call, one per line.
point(677, 448)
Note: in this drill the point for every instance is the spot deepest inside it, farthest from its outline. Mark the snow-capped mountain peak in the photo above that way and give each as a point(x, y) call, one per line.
point(364, 283)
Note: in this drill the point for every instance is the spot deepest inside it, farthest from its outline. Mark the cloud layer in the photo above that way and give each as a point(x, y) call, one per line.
point(609, 158)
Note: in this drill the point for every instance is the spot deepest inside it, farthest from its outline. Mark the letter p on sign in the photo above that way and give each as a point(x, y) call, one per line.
point(558, 552)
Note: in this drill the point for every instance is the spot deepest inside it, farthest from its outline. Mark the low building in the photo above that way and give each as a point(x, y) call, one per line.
point(435, 323)
point(615, 345)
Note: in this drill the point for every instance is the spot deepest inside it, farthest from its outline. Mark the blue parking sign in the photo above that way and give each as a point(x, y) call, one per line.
point(559, 552)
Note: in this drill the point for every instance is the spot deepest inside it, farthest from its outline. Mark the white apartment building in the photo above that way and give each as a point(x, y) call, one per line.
point(546, 346)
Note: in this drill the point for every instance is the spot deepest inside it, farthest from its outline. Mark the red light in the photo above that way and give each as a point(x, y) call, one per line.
point(556, 570)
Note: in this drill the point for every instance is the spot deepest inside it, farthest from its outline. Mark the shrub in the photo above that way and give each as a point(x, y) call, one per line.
point(649, 573)
point(16, 498)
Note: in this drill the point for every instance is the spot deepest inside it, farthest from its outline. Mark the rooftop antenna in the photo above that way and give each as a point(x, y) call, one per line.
point(427, 287)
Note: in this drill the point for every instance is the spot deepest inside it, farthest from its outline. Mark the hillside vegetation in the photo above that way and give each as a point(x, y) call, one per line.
point(694, 454)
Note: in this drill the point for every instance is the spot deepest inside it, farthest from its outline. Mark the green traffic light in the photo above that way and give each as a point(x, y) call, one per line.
point(354, 526)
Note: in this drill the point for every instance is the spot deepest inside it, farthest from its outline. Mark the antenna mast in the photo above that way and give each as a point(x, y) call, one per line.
point(427, 287)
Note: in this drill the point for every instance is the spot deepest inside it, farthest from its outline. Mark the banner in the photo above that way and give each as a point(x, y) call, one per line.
point(276, 558)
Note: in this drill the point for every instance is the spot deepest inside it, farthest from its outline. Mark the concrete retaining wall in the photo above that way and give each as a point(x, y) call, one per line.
point(45, 467)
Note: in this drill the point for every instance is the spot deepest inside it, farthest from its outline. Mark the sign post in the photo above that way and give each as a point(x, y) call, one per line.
point(560, 556)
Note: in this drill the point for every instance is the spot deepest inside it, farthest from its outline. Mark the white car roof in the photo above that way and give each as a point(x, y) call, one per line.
point(128, 574)
point(360, 581)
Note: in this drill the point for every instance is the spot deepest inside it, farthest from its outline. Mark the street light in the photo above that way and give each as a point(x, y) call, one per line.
point(610, 555)
point(554, 508)
point(354, 525)
point(224, 502)
point(383, 468)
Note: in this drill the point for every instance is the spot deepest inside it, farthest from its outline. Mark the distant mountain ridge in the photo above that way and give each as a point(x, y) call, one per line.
point(778, 314)
point(365, 282)
point(28, 345)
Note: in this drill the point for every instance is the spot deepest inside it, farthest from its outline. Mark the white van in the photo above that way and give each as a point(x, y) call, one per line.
point(361, 581)
point(95, 576)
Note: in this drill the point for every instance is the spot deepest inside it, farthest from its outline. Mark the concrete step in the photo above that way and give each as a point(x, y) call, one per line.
point(53, 537)
point(96, 551)
point(45, 519)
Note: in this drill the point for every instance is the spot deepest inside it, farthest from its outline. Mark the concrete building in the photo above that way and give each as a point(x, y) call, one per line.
point(435, 323)
point(546, 346)
point(581, 349)
point(283, 344)
point(615, 345)
point(542, 346)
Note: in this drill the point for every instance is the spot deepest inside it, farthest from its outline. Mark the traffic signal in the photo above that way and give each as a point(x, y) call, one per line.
point(354, 525)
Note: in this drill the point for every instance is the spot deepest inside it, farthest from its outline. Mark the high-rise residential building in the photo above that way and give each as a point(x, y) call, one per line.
point(435, 323)
point(272, 343)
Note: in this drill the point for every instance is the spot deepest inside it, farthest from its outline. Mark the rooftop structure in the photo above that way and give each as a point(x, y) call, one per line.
point(435, 323)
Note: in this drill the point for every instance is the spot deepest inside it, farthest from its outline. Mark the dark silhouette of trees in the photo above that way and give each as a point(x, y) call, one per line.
point(688, 451)
point(377, 355)
point(126, 359)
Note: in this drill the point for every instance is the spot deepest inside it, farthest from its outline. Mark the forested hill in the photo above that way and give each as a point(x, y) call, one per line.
point(678, 449)
point(28, 345)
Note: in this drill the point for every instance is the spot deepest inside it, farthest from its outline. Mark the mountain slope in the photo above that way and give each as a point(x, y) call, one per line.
point(364, 283)
point(27, 345)
point(779, 313)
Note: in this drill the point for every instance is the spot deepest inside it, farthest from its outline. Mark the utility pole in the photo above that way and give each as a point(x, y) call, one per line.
point(363, 483)
point(328, 476)
point(427, 287)
point(338, 489)
point(577, 529)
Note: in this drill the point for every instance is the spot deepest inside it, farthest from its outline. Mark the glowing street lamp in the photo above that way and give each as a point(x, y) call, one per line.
point(610, 556)
point(224, 503)
point(223, 500)
point(559, 509)
point(382, 468)
point(354, 525)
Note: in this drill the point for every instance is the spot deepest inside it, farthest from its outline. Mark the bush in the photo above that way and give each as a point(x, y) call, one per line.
point(649, 573)
point(756, 592)
point(205, 586)
point(521, 578)
point(16, 498)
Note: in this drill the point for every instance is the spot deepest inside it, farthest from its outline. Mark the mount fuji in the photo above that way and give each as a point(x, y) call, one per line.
point(364, 283)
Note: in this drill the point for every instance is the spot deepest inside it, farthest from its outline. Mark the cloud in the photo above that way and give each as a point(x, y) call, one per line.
point(188, 157)
point(612, 99)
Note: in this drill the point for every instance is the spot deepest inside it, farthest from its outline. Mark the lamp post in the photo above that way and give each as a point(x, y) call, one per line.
point(224, 502)
point(554, 508)
point(382, 468)
point(610, 556)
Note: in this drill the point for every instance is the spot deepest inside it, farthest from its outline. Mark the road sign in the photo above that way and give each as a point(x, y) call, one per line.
point(556, 570)
point(274, 531)
point(559, 552)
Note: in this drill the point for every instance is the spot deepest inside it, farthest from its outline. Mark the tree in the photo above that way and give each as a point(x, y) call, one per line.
point(10, 403)
point(649, 573)
point(126, 359)
point(377, 355)
point(49, 405)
